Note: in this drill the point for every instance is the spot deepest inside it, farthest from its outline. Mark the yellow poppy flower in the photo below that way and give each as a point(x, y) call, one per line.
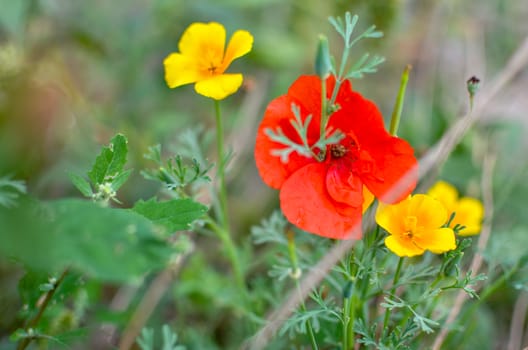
point(469, 212)
point(415, 225)
point(203, 60)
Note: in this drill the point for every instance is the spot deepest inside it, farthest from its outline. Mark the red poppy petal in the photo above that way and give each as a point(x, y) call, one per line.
point(343, 186)
point(306, 204)
point(358, 116)
point(307, 90)
point(270, 166)
point(392, 159)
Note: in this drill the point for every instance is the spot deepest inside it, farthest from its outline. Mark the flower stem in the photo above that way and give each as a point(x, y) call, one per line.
point(398, 106)
point(231, 252)
point(295, 275)
point(346, 321)
point(34, 321)
point(392, 291)
point(339, 79)
point(222, 192)
point(223, 231)
point(324, 111)
point(351, 317)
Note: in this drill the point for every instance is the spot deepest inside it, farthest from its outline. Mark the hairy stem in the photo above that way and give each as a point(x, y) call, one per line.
point(35, 320)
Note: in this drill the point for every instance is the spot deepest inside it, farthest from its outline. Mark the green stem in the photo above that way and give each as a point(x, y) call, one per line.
point(324, 111)
point(346, 321)
point(34, 321)
point(392, 291)
point(296, 274)
point(231, 252)
point(223, 231)
point(351, 318)
point(370, 240)
point(339, 78)
point(398, 106)
point(222, 192)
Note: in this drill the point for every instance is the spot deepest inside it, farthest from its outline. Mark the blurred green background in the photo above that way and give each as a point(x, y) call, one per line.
point(74, 73)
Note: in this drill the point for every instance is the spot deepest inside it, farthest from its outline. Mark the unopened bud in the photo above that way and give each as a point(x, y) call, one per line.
point(473, 84)
point(472, 87)
point(323, 63)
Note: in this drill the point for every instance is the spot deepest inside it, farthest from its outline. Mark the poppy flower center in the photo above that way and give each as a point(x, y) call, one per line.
point(212, 69)
point(338, 151)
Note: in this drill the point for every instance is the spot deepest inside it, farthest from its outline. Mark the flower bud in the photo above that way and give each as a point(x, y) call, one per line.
point(473, 84)
point(472, 87)
point(323, 63)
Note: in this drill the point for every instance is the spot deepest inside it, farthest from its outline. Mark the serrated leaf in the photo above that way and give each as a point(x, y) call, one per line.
point(110, 161)
point(108, 244)
point(81, 184)
point(175, 215)
point(120, 179)
point(119, 148)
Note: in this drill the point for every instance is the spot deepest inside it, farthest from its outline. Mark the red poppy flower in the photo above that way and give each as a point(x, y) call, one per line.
point(325, 197)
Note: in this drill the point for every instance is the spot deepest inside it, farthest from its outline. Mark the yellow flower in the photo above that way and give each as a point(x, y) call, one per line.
point(203, 60)
point(415, 225)
point(469, 212)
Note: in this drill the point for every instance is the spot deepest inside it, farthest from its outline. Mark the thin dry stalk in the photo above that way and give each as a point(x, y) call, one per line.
point(150, 300)
point(517, 324)
point(437, 154)
point(476, 263)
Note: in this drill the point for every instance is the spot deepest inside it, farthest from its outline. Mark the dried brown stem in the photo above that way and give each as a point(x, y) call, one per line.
point(150, 300)
point(476, 263)
point(437, 154)
point(517, 324)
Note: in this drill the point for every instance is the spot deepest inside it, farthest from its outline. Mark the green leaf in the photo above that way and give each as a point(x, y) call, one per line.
point(175, 215)
point(81, 184)
point(10, 190)
point(120, 179)
point(146, 339)
point(108, 244)
point(110, 161)
point(28, 288)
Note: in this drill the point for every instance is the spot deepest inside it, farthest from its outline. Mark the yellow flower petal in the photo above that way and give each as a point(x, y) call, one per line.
point(445, 193)
point(203, 39)
point(180, 70)
point(402, 246)
point(437, 241)
point(391, 217)
point(469, 213)
point(429, 212)
point(368, 198)
point(220, 86)
point(239, 45)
